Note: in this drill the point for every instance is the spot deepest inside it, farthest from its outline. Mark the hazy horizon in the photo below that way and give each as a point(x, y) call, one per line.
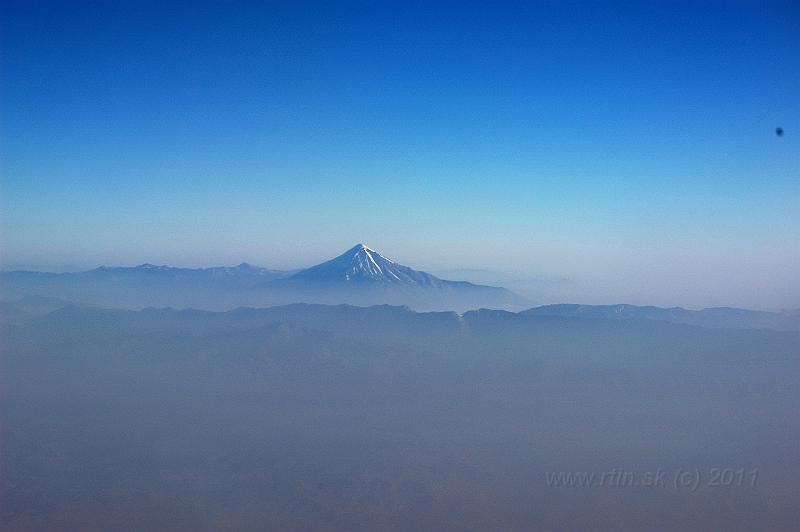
point(538, 290)
point(629, 148)
point(313, 417)
point(615, 155)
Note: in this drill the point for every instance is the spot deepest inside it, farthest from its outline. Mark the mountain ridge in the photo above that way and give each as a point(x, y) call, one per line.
point(363, 265)
point(360, 276)
point(714, 317)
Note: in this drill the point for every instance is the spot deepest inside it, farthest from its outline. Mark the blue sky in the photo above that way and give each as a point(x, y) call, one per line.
point(583, 152)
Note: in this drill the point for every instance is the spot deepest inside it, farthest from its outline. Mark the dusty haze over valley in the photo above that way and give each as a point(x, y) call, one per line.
point(384, 266)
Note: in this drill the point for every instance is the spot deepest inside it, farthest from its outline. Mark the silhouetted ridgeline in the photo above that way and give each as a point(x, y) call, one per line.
point(348, 418)
point(360, 276)
point(721, 317)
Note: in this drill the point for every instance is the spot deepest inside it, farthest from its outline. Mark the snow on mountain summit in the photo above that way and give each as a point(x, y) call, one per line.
point(361, 264)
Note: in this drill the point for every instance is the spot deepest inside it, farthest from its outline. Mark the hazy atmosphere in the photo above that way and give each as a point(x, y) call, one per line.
point(593, 152)
point(399, 266)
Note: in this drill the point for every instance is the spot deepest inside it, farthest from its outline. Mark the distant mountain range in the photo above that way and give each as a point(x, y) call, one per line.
point(719, 317)
point(358, 277)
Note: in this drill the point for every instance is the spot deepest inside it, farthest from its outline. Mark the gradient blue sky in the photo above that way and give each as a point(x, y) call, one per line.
point(581, 152)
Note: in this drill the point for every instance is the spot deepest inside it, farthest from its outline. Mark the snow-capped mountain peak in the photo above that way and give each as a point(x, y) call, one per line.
point(365, 261)
point(361, 264)
point(362, 276)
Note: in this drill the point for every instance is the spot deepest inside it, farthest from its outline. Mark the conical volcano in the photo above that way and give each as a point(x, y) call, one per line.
point(362, 276)
point(361, 265)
